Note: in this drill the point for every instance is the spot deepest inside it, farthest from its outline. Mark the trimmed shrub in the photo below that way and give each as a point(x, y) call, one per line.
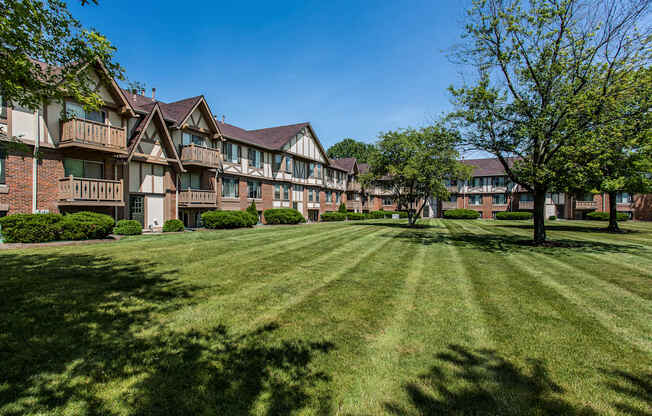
point(30, 228)
point(355, 216)
point(252, 209)
point(342, 208)
point(375, 215)
point(173, 226)
point(283, 216)
point(507, 215)
point(604, 216)
point(333, 216)
point(461, 214)
point(552, 218)
point(86, 225)
point(228, 219)
point(128, 227)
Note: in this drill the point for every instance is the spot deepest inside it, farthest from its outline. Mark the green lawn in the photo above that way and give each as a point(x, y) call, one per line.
point(351, 319)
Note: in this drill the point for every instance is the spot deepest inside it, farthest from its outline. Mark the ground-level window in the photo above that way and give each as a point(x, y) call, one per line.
point(526, 198)
point(329, 196)
point(254, 189)
point(453, 198)
point(475, 199)
point(499, 199)
point(3, 166)
point(3, 214)
point(83, 168)
point(621, 197)
point(387, 201)
point(229, 187)
point(286, 192)
point(277, 191)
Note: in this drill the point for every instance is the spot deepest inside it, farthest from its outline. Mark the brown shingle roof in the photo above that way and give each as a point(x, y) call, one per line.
point(363, 167)
point(178, 110)
point(139, 101)
point(346, 164)
point(276, 137)
point(487, 167)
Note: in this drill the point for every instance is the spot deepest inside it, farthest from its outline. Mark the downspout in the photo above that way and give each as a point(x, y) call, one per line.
point(115, 177)
point(37, 141)
point(176, 201)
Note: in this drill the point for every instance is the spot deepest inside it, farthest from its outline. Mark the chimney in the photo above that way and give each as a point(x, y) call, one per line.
point(154, 93)
point(223, 117)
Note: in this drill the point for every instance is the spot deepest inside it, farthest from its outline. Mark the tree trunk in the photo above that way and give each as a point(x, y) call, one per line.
point(539, 216)
point(613, 214)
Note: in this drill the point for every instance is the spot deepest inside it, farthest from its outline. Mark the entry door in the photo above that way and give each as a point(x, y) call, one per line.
point(137, 208)
point(297, 196)
point(155, 211)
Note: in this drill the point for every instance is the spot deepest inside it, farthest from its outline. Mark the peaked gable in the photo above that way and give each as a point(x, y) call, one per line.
point(304, 143)
point(152, 140)
point(200, 118)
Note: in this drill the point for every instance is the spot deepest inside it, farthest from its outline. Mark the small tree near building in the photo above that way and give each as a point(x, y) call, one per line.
point(416, 163)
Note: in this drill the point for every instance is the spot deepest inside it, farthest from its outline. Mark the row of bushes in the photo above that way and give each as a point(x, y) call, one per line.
point(461, 214)
point(40, 228)
point(228, 219)
point(604, 216)
point(517, 215)
point(355, 216)
point(283, 216)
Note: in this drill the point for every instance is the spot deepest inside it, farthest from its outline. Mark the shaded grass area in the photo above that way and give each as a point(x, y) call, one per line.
point(450, 317)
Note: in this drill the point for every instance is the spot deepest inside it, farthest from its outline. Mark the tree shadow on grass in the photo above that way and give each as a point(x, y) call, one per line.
point(405, 225)
point(482, 382)
point(84, 334)
point(633, 388)
point(571, 228)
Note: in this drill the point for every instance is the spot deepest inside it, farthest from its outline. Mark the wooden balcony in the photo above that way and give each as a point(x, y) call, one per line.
point(200, 156)
point(625, 206)
point(448, 205)
point(93, 135)
point(90, 192)
point(198, 198)
point(353, 205)
point(585, 205)
point(525, 204)
point(353, 186)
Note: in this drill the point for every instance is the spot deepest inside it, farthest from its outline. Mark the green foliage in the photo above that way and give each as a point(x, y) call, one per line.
point(228, 219)
point(128, 227)
point(552, 218)
point(85, 225)
point(388, 214)
point(333, 216)
point(604, 216)
point(342, 208)
point(40, 228)
point(173, 226)
point(30, 228)
point(355, 216)
point(507, 215)
point(418, 161)
point(283, 216)
point(461, 214)
point(253, 210)
point(46, 31)
point(377, 214)
point(350, 148)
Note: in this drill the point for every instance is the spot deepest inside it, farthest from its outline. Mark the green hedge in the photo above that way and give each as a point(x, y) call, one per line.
point(604, 216)
point(128, 227)
point(355, 216)
point(333, 216)
point(172, 226)
point(552, 217)
point(40, 228)
point(228, 219)
point(375, 215)
point(507, 215)
point(461, 214)
point(283, 216)
point(86, 225)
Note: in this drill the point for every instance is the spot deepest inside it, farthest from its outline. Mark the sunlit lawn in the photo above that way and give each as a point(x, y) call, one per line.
point(349, 318)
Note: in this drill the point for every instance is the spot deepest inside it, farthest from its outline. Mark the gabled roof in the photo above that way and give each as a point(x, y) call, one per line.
point(363, 167)
point(487, 167)
point(154, 115)
point(347, 164)
point(180, 110)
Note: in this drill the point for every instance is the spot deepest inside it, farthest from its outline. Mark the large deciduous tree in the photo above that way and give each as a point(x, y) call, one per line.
point(45, 52)
point(416, 163)
point(545, 70)
point(350, 148)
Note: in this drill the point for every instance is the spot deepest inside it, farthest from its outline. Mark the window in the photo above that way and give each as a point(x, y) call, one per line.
point(499, 199)
point(230, 187)
point(288, 164)
point(277, 191)
point(310, 191)
point(557, 198)
point(255, 158)
point(311, 170)
point(319, 171)
point(254, 189)
point(190, 181)
point(83, 168)
point(526, 198)
point(475, 199)
point(76, 110)
point(286, 192)
point(3, 107)
point(3, 166)
point(316, 195)
point(453, 198)
point(338, 197)
point(277, 162)
point(300, 169)
point(623, 198)
point(187, 139)
point(329, 197)
point(499, 181)
point(231, 153)
point(387, 201)
point(585, 196)
point(476, 182)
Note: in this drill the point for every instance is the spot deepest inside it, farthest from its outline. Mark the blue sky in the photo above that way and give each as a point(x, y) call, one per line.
point(351, 68)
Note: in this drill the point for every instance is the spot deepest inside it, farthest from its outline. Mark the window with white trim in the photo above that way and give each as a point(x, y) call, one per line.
point(255, 158)
point(83, 168)
point(277, 192)
point(254, 189)
point(475, 199)
point(76, 110)
point(286, 192)
point(190, 180)
point(230, 187)
point(499, 199)
point(231, 152)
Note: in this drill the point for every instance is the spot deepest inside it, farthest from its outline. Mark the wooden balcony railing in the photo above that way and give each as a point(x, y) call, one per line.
point(198, 197)
point(91, 191)
point(585, 205)
point(201, 156)
point(353, 204)
point(525, 204)
point(448, 205)
point(86, 132)
point(353, 186)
